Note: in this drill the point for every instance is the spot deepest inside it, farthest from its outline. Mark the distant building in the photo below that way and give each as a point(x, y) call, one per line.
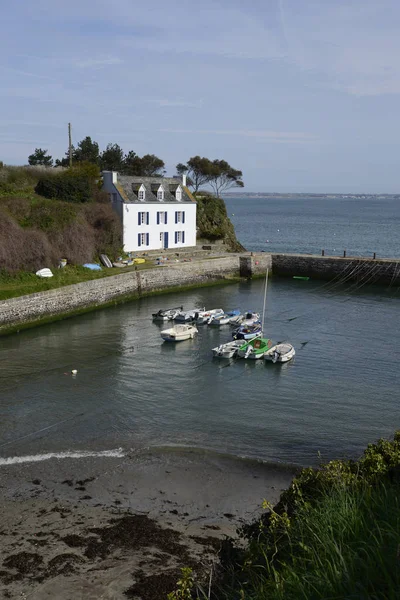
point(156, 212)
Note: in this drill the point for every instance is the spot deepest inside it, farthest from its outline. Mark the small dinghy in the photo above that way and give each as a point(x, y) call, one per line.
point(255, 348)
point(167, 314)
point(179, 333)
point(247, 332)
point(203, 317)
point(44, 273)
point(224, 318)
point(105, 261)
point(188, 316)
point(228, 350)
point(250, 318)
point(280, 353)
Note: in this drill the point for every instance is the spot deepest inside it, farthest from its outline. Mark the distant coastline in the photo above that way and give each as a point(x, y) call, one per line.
point(310, 195)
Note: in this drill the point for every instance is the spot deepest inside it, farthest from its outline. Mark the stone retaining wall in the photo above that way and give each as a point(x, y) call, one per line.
point(28, 309)
point(89, 294)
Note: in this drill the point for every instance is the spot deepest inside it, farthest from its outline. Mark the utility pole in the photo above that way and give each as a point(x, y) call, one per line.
point(69, 145)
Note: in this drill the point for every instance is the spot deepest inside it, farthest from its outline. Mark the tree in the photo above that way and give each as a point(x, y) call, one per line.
point(198, 170)
point(68, 186)
point(87, 151)
point(152, 166)
point(40, 157)
point(223, 177)
point(147, 166)
point(112, 159)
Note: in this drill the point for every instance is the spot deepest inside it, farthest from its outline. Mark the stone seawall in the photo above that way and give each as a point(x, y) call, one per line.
point(362, 270)
point(81, 296)
point(33, 308)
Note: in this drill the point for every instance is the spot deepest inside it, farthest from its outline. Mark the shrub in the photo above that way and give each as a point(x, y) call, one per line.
point(69, 186)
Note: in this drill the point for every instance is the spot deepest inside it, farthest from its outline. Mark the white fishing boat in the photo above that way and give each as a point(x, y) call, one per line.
point(228, 350)
point(167, 314)
point(203, 317)
point(280, 353)
point(218, 320)
point(179, 333)
point(188, 316)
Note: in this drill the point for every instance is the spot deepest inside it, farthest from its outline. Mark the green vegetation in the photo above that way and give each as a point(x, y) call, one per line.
point(213, 222)
point(335, 533)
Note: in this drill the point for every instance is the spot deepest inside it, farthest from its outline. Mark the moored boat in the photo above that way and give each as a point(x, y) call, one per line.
point(179, 333)
point(280, 353)
point(167, 314)
point(203, 317)
point(255, 348)
point(188, 316)
point(227, 350)
point(219, 319)
point(247, 332)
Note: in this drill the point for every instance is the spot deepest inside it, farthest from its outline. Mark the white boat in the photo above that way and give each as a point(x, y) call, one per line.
point(179, 333)
point(280, 353)
point(228, 350)
point(188, 316)
point(203, 317)
point(250, 318)
point(167, 314)
point(220, 319)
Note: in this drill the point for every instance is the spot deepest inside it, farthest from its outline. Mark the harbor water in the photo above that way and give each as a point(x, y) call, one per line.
point(134, 392)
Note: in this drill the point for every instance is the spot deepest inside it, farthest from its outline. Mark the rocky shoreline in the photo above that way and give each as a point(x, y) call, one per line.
point(123, 528)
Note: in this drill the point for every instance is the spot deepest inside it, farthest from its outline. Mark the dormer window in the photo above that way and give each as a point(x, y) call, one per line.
point(178, 194)
point(160, 193)
point(142, 193)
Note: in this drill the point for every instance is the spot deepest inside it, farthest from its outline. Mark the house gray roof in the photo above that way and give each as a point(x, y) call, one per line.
point(130, 186)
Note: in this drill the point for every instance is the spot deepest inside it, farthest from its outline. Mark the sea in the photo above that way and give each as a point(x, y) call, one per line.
point(134, 392)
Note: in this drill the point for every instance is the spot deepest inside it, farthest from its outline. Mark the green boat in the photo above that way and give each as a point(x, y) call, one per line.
point(255, 348)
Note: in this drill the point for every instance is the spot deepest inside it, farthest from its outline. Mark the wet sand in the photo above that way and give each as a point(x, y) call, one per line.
point(115, 528)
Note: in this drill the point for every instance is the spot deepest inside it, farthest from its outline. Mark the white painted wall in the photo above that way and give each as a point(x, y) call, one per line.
point(132, 228)
point(128, 213)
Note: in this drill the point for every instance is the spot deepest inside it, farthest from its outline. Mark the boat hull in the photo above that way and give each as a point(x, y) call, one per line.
point(280, 353)
point(228, 350)
point(179, 333)
point(255, 349)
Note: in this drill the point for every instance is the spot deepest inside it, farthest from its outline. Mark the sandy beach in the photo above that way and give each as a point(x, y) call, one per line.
point(121, 527)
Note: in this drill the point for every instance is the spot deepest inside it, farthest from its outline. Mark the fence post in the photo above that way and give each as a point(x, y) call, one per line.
point(323, 253)
point(374, 255)
point(344, 253)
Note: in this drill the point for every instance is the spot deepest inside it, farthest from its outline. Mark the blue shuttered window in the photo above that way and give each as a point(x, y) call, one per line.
point(139, 240)
point(165, 217)
point(176, 237)
point(139, 219)
point(147, 239)
point(176, 217)
point(147, 218)
point(183, 237)
point(158, 218)
point(183, 216)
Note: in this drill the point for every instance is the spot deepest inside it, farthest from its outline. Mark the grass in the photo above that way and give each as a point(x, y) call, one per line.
point(22, 283)
point(345, 547)
point(335, 534)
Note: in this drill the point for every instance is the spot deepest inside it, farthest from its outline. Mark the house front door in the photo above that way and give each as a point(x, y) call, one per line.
point(166, 240)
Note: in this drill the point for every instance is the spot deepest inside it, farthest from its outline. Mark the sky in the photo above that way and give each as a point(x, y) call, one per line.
point(300, 95)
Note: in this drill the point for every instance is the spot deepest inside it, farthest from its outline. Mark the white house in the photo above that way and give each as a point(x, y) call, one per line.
point(156, 212)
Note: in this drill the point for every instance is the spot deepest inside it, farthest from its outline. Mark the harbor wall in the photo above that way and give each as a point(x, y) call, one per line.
point(32, 308)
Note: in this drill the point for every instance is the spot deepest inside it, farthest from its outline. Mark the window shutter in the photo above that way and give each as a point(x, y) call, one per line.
point(183, 216)
point(183, 237)
point(165, 217)
point(139, 219)
point(158, 218)
point(176, 216)
point(176, 236)
point(147, 218)
point(147, 238)
point(139, 241)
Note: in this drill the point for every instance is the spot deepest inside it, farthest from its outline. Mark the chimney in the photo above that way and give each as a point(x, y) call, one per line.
point(109, 177)
point(184, 179)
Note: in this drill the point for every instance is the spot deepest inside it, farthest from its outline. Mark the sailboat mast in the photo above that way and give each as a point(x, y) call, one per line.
point(265, 300)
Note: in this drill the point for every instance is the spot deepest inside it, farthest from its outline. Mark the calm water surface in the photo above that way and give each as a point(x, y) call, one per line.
point(133, 391)
point(308, 225)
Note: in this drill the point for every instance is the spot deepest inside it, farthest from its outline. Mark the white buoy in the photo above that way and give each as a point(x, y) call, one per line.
point(74, 372)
